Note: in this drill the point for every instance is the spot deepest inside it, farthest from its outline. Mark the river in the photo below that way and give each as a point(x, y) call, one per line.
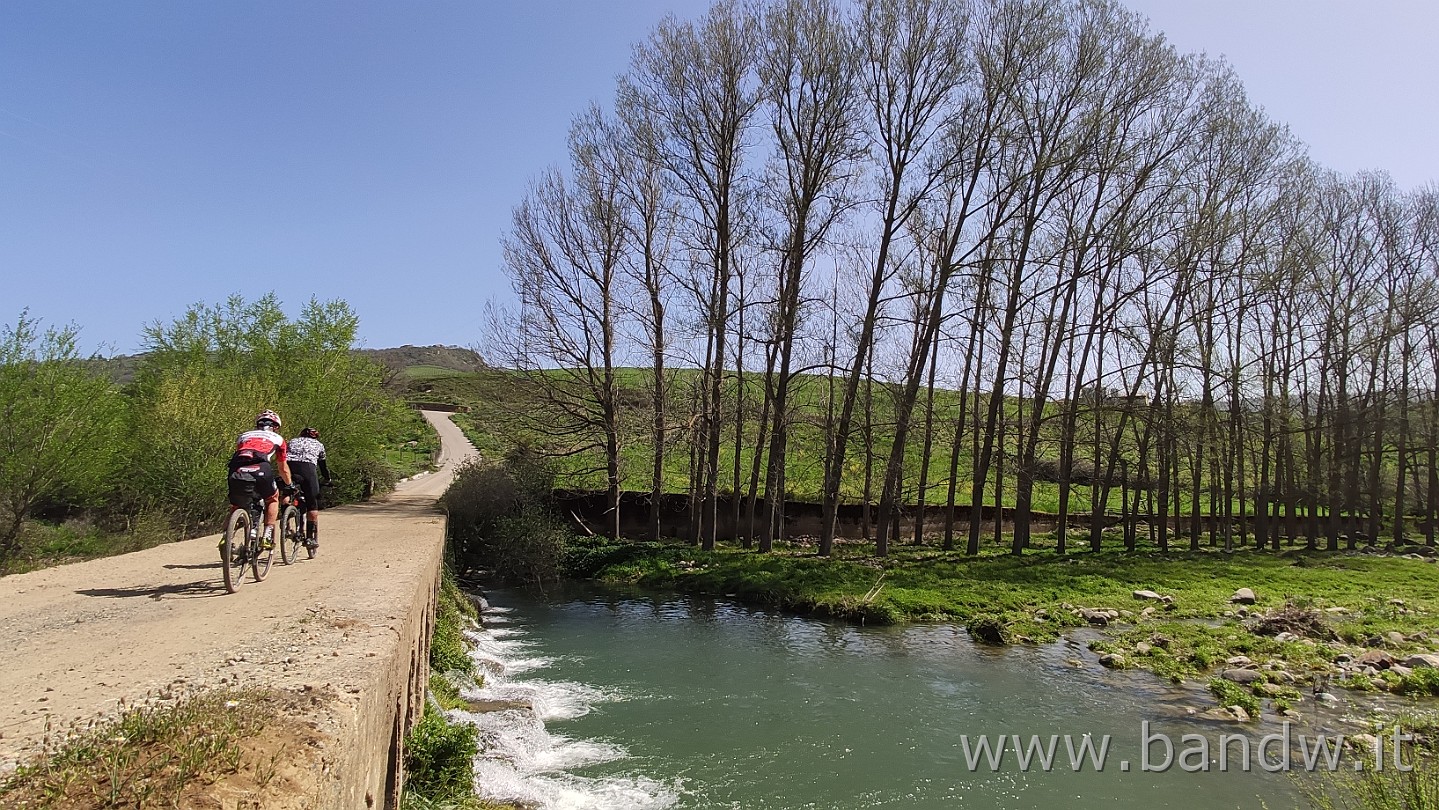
point(665, 701)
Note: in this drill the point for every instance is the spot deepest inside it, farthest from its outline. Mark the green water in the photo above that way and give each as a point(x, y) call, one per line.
point(697, 703)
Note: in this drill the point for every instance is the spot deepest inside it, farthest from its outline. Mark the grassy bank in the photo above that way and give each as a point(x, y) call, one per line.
point(1356, 600)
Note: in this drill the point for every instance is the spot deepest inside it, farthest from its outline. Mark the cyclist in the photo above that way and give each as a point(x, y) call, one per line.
point(259, 456)
point(307, 464)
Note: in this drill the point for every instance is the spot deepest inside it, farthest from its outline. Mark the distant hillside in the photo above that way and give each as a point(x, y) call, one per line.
point(402, 361)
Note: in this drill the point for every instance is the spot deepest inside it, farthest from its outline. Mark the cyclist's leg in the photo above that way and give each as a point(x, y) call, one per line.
point(267, 489)
point(306, 477)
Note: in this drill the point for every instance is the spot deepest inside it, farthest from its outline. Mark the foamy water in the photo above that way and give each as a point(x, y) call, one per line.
point(522, 759)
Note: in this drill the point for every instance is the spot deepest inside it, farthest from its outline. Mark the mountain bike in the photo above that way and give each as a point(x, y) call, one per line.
point(295, 528)
point(241, 545)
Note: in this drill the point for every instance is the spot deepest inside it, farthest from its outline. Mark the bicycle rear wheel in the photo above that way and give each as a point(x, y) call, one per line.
point(262, 556)
point(292, 535)
point(235, 549)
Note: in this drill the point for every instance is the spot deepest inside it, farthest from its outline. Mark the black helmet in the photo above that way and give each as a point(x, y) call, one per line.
point(310, 433)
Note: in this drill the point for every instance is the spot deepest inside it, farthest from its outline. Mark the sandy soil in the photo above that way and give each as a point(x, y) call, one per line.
point(78, 642)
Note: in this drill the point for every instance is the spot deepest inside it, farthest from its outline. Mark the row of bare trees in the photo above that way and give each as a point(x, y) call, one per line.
point(1025, 237)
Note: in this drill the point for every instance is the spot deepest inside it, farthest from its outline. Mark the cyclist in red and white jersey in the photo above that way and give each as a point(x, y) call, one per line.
point(258, 458)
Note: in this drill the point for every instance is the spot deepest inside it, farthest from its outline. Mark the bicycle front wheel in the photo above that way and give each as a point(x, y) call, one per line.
point(292, 535)
point(235, 549)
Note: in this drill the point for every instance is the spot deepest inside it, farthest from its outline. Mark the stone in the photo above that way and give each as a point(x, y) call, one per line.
point(1422, 660)
point(1143, 648)
point(1401, 670)
point(1337, 611)
point(1245, 676)
point(1243, 596)
point(1152, 596)
point(1270, 690)
point(1378, 659)
point(1286, 637)
point(1146, 613)
point(1231, 714)
point(1239, 661)
point(1112, 660)
point(1395, 637)
point(1094, 617)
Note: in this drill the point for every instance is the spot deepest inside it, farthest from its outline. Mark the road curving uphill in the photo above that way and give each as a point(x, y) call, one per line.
point(346, 634)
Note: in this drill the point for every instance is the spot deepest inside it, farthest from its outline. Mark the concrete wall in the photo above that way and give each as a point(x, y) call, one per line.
point(366, 722)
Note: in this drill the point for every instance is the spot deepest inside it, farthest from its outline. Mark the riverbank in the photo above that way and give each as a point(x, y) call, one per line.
point(631, 698)
point(1359, 620)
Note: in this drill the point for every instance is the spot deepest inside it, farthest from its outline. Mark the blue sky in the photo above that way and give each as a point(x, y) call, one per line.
point(156, 154)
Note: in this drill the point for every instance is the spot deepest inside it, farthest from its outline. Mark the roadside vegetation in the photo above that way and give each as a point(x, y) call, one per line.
point(92, 467)
point(153, 756)
point(440, 752)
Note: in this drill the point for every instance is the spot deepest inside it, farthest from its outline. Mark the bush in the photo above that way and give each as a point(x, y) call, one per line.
point(62, 427)
point(501, 520)
point(206, 375)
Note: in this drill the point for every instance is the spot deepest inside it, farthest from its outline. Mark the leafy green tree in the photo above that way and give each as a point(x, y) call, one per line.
point(59, 425)
point(208, 373)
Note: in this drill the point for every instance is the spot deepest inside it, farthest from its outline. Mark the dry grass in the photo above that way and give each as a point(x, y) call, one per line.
point(162, 756)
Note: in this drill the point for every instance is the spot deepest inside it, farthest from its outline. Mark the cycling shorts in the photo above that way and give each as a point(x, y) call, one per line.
point(306, 476)
point(252, 480)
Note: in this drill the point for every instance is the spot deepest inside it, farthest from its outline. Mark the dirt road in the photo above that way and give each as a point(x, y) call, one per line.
point(79, 641)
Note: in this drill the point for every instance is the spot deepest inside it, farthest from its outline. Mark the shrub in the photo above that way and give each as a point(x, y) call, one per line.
point(501, 520)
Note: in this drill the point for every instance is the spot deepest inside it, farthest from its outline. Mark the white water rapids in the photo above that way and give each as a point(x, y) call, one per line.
point(521, 759)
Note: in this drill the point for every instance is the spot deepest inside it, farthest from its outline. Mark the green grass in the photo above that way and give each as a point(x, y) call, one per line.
point(506, 411)
point(411, 446)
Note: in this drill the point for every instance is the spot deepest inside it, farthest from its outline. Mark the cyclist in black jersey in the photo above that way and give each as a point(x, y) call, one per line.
point(306, 457)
